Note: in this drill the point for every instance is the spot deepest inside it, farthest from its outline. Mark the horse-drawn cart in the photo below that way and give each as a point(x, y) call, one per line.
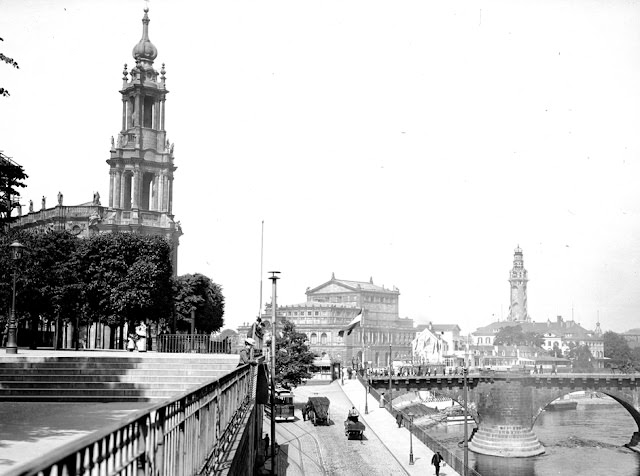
point(353, 429)
point(317, 410)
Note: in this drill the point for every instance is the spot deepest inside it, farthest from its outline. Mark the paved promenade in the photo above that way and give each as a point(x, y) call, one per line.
point(380, 421)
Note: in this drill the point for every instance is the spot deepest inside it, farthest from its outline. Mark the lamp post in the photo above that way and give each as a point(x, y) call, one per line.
point(465, 372)
point(410, 438)
point(366, 393)
point(12, 342)
point(274, 277)
point(390, 396)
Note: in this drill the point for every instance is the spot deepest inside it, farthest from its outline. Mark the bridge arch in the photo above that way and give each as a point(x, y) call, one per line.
point(505, 405)
point(621, 399)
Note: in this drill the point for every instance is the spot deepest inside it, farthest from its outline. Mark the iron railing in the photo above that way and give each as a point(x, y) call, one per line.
point(192, 434)
point(434, 445)
point(192, 343)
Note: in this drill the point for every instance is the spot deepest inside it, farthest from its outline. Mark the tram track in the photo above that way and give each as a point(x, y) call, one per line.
point(297, 438)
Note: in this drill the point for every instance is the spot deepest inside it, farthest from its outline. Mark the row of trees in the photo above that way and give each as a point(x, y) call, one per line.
point(113, 279)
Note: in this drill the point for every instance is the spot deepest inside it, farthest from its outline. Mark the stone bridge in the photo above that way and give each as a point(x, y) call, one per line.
point(505, 405)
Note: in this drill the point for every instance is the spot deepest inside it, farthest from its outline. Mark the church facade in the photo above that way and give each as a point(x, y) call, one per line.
point(141, 166)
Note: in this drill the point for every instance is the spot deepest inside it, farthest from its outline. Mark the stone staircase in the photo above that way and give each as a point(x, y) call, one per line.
point(116, 376)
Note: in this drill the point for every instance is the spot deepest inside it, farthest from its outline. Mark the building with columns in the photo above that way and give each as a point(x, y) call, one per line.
point(141, 166)
point(332, 305)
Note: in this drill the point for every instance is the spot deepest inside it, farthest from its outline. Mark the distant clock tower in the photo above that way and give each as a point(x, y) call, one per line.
point(141, 163)
point(518, 282)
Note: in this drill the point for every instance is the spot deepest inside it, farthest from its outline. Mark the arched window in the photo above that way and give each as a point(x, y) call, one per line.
point(323, 338)
point(314, 338)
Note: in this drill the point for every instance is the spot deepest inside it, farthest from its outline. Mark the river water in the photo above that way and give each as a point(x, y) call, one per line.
point(586, 441)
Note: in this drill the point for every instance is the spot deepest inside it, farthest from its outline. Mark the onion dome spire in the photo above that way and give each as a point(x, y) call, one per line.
point(145, 52)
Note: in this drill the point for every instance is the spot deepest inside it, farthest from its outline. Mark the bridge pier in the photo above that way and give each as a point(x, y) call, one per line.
point(511, 441)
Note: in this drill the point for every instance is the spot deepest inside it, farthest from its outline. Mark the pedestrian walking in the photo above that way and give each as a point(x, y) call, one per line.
point(266, 444)
point(382, 400)
point(436, 461)
point(399, 419)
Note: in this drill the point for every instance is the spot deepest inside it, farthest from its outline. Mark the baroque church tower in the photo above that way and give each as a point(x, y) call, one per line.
point(518, 282)
point(141, 163)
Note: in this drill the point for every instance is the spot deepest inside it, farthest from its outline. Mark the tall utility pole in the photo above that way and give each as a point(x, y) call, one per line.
point(465, 374)
point(390, 368)
point(261, 259)
point(274, 277)
point(365, 374)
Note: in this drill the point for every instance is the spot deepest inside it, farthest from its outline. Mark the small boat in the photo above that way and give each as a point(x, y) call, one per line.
point(561, 405)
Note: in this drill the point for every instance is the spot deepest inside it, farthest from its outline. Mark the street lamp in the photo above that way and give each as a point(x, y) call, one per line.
point(410, 438)
point(465, 372)
point(12, 344)
point(366, 393)
point(274, 277)
point(390, 396)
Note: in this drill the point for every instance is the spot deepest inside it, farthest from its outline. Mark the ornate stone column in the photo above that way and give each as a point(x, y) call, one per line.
point(160, 179)
point(112, 178)
point(118, 186)
point(123, 187)
point(135, 187)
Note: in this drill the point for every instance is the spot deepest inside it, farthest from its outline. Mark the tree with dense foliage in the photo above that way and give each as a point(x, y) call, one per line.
point(12, 178)
point(581, 358)
point(556, 351)
point(616, 348)
point(49, 284)
point(293, 356)
point(44, 277)
point(196, 292)
point(127, 278)
point(514, 335)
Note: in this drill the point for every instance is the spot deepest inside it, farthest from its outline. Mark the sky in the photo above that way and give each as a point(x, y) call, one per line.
point(415, 143)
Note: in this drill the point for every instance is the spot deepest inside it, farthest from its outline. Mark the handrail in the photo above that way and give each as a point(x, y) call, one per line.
point(192, 343)
point(178, 437)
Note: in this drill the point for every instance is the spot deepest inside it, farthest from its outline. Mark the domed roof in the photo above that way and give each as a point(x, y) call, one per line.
point(145, 50)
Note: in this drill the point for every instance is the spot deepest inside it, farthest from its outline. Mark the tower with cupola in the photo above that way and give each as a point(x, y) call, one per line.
point(141, 166)
point(518, 282)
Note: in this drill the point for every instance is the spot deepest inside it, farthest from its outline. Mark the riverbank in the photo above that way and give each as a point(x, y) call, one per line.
point(589, 398)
